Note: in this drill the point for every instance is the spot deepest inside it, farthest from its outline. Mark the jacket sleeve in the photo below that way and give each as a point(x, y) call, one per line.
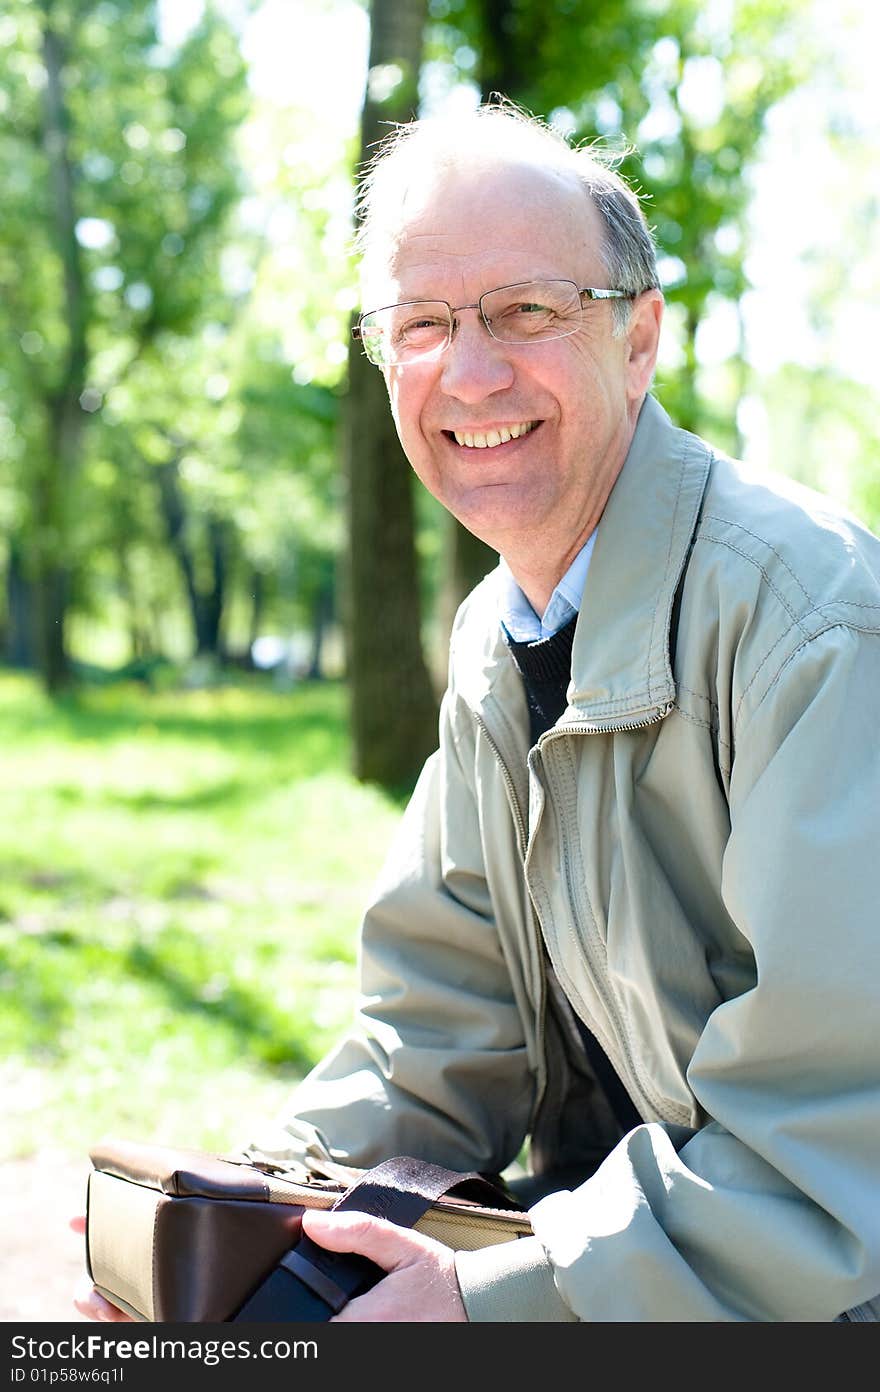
point(436, 1064)
point(770, 1212)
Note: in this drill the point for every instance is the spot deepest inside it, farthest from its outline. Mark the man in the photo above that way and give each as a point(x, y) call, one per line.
point(631, 913)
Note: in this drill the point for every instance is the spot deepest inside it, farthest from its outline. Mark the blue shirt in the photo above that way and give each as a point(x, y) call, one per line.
point(519, 618)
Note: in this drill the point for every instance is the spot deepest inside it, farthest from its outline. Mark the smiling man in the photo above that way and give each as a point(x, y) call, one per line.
point(630, 920)
point(518, 409)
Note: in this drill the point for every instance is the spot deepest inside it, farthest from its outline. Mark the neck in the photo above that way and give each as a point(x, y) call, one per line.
point(538, 583)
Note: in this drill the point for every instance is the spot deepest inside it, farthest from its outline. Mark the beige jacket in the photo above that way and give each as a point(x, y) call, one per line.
point(696, 843)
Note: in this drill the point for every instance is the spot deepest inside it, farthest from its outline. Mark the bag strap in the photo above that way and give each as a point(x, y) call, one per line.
point(400, 1190)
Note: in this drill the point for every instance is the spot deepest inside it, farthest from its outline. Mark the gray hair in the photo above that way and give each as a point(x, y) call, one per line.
point(501, 131)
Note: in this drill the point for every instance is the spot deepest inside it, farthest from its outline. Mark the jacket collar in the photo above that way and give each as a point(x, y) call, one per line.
point(621, 665)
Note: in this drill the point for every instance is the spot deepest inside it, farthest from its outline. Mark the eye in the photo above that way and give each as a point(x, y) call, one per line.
point(421, 328)
point(525, 318)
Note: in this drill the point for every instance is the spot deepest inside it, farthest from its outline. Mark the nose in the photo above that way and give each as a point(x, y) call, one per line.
point(475, 364)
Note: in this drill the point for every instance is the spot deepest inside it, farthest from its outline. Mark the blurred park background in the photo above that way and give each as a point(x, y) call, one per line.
point(223, 603)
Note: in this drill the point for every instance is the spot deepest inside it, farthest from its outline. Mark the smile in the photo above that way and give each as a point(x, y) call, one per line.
point(478, 439)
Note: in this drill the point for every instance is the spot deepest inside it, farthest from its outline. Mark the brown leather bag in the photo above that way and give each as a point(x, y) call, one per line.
point(175, 1235)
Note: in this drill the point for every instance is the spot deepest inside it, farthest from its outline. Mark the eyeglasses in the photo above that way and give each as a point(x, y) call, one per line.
point(532, 311)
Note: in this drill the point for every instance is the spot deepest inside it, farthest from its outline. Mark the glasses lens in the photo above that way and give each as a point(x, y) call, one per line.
point(406, 332)
point(529, 313)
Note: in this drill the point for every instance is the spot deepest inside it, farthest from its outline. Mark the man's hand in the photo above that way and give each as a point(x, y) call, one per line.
point(421, 1283)
point(86, 1298)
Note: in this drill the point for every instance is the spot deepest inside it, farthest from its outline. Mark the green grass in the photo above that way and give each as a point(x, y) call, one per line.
point(181, 881)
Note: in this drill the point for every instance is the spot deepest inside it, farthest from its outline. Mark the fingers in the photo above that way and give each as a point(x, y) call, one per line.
point(420, 1283)
point(388, 1245)
point(94, 1307)
point(78, 1224)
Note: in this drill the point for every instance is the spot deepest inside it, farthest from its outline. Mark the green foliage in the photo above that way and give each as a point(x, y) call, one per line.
point(114, 245)
point(195, 327)
point(544, 58)
point(824, 430)
point(204, 356)
point(686, 109)
point(183, 876)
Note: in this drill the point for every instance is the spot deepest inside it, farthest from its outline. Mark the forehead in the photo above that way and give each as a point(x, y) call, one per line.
point(462, 231)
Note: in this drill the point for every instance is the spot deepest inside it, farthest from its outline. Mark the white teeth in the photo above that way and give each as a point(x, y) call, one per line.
point(478, 440)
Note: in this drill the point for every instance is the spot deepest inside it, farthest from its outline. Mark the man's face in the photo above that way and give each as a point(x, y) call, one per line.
point(579, 396)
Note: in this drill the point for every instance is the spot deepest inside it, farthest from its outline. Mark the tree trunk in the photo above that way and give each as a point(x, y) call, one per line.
point(322, 615)
point(64, 414)
point(466, 559)
point(205, 605)
point(175, 525)
point(20, 607)
point(258, 603)
point(209, 611)
point(393, 707)
point(501, 67)
point(138, 632)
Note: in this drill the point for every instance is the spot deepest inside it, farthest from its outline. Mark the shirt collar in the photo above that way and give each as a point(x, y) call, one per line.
point(519, 618)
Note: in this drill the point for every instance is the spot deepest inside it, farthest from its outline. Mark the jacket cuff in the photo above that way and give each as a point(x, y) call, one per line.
point(511, 1282)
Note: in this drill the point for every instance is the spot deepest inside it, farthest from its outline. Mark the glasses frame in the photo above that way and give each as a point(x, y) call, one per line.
point(591, 292)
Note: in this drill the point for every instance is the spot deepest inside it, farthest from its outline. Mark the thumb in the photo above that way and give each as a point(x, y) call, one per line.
point(384, 1243)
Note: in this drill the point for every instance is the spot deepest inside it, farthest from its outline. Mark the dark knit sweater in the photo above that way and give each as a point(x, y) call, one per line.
point(545, 667)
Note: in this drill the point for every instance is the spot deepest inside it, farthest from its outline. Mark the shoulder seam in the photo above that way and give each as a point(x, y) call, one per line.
point(799, 648)
point(717, 541)
point(731, 522)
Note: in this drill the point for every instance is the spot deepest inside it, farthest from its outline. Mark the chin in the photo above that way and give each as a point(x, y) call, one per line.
point(494, 521)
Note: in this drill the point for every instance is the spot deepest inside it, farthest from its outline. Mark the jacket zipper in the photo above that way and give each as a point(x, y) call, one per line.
point(600, 974)
point(510, 786)
point(523, 838)
point(583, 728)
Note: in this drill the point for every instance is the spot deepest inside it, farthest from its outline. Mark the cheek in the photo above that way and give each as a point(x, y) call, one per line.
point(398, 415)
point(404, 409)
point(569, 374)
point(592, 382)
point(407, 395)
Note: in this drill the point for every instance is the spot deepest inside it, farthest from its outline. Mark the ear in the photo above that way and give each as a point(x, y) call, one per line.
point(642, 340)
